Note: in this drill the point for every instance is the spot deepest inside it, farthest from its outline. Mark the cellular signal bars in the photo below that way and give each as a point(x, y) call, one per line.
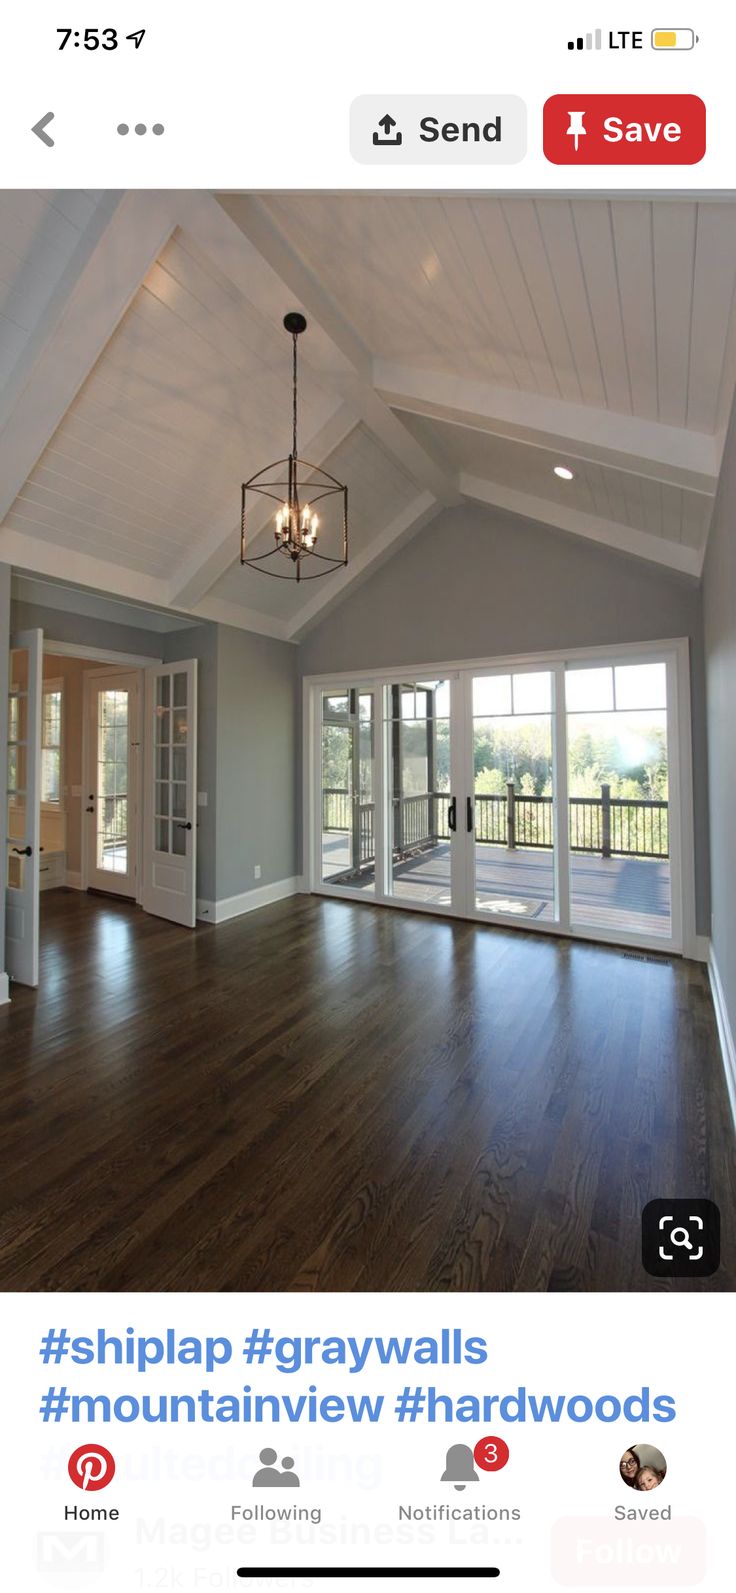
point(591, 41)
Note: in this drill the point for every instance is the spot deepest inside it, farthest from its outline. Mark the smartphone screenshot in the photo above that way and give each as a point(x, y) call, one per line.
point(367, 769)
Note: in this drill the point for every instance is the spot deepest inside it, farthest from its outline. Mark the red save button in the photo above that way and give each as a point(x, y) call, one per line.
point(624, 129)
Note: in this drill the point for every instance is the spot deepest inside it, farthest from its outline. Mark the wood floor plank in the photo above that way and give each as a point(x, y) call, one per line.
point(329, 1095)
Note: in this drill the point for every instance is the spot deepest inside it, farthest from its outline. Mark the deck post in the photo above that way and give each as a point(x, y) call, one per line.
point(605, 821)
point(510, 814)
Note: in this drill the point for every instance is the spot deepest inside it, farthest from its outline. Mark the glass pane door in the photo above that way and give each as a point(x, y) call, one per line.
point(348, 808)
point(418, 771)
point(618, 777)
point(111, 794)
point(513, 796)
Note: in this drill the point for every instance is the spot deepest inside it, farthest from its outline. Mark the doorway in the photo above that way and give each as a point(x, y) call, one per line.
point(101, 785)
point(554, 793)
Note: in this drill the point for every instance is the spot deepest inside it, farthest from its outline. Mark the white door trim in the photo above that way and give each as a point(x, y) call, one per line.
point(101, 654)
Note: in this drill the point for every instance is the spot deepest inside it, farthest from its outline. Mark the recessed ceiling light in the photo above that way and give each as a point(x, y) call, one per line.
point(563, 472)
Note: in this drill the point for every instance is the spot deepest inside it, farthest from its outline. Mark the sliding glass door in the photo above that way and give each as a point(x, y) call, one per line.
point(347, 791)
point(544, 794)
point(619, 794)
point(417, 741)
point(513, 828)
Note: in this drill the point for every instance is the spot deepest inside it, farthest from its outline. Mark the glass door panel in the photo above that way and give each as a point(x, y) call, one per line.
point(513, 796)
point(348, 804)
point(111, 793)
point(618, 778)
point(418, 772)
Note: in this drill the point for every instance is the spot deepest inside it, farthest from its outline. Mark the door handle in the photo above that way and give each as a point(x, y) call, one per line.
point(469, 813)
point(89, 810)
point(179, 826)
point(23, 851)
point(452, 815)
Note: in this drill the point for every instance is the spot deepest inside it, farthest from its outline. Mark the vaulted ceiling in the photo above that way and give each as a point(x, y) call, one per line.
point(458, 349)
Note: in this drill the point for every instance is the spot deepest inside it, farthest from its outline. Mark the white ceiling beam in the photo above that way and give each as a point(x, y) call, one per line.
point(239, 235)
point(381, 547)
point(35, 556)
point(203, 569)
point(642, 447)
point(114, 253)
point(243, 619)
point(622, 538)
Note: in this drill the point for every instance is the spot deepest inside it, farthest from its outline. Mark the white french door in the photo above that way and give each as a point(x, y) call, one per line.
point(24, 807)
point(170, 792)
point(545, 793)
point(112, 781)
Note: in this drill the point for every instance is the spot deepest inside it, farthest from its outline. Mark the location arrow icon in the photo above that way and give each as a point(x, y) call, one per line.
point(39, 127)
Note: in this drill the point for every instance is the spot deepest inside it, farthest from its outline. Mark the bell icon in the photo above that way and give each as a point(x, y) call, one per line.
point(459, 1467)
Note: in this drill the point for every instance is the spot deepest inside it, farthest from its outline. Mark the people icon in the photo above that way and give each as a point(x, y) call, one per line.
point(269, 1475)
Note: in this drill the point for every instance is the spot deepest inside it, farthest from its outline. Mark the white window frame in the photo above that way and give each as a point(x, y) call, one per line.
point(684, 938)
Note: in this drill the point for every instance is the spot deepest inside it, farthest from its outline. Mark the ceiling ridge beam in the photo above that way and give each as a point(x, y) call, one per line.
point(640, 447)
point(611, 534)
point(111, 260)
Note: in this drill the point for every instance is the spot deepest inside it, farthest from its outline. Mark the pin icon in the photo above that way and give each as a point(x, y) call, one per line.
point(91, 1467)
point(576, 130)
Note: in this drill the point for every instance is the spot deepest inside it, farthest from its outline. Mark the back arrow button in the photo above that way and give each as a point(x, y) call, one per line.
point(39, 127)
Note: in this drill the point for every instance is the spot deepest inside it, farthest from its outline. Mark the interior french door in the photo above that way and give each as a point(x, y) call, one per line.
point(24, 807)
point(112, 775)
point(170, 792)
point(544, 794)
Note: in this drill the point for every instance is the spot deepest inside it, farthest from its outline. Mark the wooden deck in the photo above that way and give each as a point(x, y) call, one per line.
point(607, 893)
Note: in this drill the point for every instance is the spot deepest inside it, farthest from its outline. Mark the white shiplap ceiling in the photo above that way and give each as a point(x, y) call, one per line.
point(458, 347)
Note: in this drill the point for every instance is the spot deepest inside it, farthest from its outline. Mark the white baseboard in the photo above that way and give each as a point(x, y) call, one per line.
point(725, 1032)
point(699, 949)
point(73, 879)
point(247, 901)
point(4, 989)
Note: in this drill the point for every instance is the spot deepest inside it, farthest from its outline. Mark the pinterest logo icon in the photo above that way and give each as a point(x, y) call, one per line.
point(91, 1467)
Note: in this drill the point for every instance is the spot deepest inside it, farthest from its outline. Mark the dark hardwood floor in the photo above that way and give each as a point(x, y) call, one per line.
point(326, 1095)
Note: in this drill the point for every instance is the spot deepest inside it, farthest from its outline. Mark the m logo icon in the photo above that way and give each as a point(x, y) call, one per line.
point(71, 1551)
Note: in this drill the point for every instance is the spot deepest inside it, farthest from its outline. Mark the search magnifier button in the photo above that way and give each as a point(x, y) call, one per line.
point(680, 1236)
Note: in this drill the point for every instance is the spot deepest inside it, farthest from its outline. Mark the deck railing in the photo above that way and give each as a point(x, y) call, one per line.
point(605, 825)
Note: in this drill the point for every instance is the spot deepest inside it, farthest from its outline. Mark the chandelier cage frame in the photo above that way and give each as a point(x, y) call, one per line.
point(296, 479)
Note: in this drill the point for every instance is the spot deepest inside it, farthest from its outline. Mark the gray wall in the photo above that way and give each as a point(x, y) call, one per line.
point(256, 761)
point(4, 663)
point(85, 631)
point(482, 583)
point(719, 604)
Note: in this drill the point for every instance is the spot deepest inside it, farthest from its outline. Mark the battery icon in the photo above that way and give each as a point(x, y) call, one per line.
point(673, 39)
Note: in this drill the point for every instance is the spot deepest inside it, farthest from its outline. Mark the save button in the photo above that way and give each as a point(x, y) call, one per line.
point(624, 129)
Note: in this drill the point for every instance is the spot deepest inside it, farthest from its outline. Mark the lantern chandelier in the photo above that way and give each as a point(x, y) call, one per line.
point(296, 486)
